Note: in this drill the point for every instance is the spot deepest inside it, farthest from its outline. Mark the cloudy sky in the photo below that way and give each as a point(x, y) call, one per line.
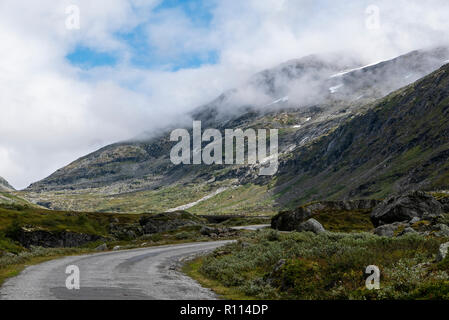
point(130, 66)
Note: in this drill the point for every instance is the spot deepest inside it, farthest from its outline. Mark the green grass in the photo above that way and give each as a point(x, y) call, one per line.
point(326, 266)
point(345, 221)
point(81, 222)
point(249, 199)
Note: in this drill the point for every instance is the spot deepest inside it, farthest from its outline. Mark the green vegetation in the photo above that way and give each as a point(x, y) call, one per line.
point(345, 220)
point(249, 199)
point(14, 257)
point(80, 222)
point(272, 265)
point(245, 221)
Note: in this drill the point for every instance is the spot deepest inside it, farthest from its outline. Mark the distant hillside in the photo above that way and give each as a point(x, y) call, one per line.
point(139, 177)
point(5, 186)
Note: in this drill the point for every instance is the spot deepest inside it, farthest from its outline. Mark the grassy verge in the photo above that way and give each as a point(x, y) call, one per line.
point(192, 269)
point(270, 265)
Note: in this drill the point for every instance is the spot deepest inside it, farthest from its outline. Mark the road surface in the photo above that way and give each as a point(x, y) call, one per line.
point(139, 274)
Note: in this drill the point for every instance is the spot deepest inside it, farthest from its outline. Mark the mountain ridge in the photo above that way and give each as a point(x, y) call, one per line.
point(136, 176)
point(5, 186)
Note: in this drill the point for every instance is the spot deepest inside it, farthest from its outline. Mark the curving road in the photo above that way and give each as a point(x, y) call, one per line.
point(138, 274)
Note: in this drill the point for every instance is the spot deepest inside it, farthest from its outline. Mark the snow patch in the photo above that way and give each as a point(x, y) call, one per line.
point(192, 204)
point(355, 69)
point(284, 99)
point(335, 89)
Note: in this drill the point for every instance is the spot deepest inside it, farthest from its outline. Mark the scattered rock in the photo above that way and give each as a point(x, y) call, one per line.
point(116, 248)
point(311, 225)
point(168, 221)
point(216, 232)
point(414, 220)
point(102, 247)
point(442, 230)
point(387, 230)
point(406, 207)
point(407, 230)
point(245, 244)
point(445, 203)
point(279, 265)
point(442, 252)
point(125, 231)
point(207, 231)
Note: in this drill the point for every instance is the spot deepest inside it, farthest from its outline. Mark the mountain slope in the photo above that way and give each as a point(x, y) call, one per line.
point(138, 176)
point(400, 144)
point(5, 186)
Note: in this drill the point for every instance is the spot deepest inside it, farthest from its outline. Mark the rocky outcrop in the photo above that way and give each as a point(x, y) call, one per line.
point(168, 221)
point(405, 208)
point(125, 231)
point(445, 203)
point(28, 237)
point(389, 230)
point(290, 220)
point(218, 232)
point(427, 227)
point(311, 225)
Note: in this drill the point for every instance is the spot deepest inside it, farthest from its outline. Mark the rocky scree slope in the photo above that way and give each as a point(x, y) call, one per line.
point(399, 145)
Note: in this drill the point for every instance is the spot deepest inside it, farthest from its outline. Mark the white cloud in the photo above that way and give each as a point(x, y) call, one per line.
point(51, 112)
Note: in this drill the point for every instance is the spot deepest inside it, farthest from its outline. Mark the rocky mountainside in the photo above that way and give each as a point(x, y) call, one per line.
point(5, 186)
point(310, 100)
point(400, 144)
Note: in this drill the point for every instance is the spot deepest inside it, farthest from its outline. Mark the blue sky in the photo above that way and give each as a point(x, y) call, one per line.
point(142, 53)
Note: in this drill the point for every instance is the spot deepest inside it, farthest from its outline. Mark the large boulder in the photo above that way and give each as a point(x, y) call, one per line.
point(405, 208)
point(290, 220)
point(387, 230)
point(311, 225)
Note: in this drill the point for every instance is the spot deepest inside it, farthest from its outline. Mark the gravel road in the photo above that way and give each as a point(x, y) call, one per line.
point(137, 274)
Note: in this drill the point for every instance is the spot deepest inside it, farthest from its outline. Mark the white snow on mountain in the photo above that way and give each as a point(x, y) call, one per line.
point(335, 89)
